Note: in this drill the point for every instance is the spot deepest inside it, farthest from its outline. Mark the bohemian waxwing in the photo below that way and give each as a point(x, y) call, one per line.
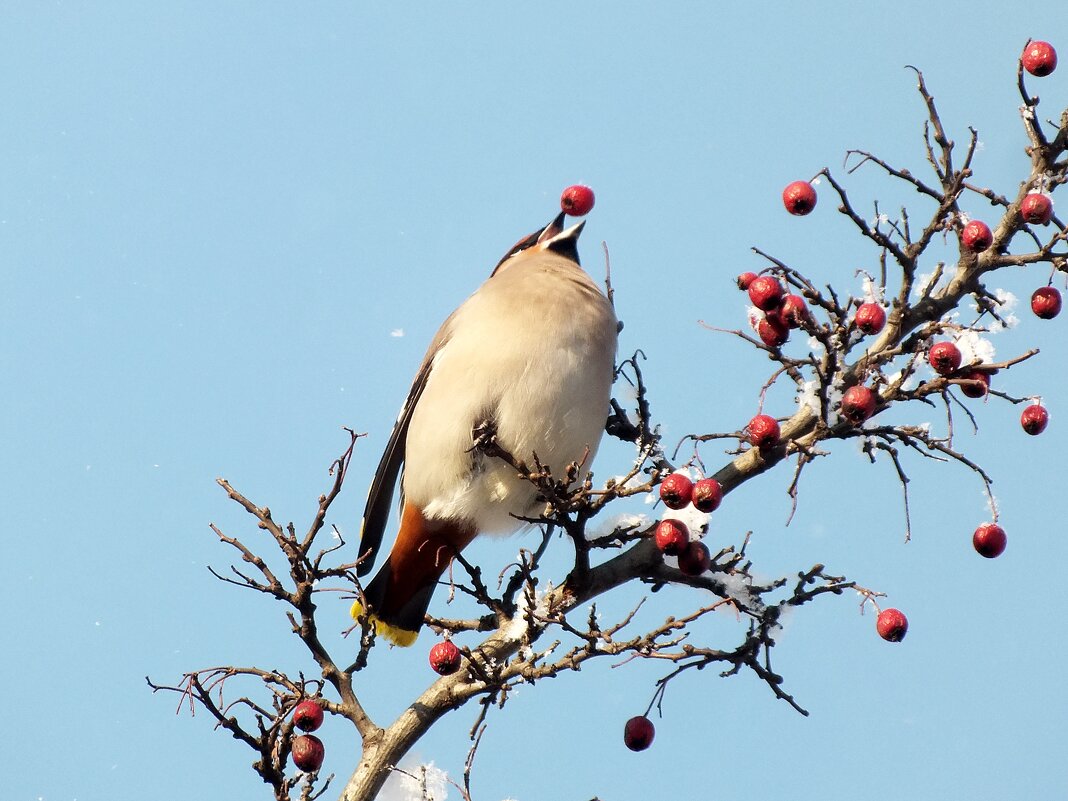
point(529, 356)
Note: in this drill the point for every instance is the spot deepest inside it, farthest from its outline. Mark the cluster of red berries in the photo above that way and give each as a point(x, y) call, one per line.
point(945, 359)
point(1040, 59)
point(672, 537)
point(308, 750)
point(782, 311)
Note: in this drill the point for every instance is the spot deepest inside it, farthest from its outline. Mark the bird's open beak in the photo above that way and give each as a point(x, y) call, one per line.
point(561, 240)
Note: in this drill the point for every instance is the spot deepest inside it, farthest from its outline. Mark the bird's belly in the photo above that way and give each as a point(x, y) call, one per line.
point(550, 400)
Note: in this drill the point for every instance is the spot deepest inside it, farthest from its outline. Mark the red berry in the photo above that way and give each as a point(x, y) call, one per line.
point(858, 404)
point(765, 292)
point(672, 536)
point(745, 279)
point(763, 431)
point(799, 198)
point(892, 625)
point(707, 495)
point(1036, 209)
point(308, 715)
point(1046, 302)
point(676, 491)
point(445, 658)
point(944, 357)
point(989, 540)
point(870, 318)
point(695, 559)
point(308, 752)
point(773, 331)
point(976, 384)
point(793, 311)
point(577, 200)
point(1039, 58)
point(638, 733)
point(976, 236)
point(1034, 419)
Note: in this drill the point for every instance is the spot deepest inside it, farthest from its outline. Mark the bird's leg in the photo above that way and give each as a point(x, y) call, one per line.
point(484, 440)
point(484, 437)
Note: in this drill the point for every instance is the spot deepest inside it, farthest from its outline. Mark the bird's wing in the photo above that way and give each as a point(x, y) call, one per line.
point(380, 496)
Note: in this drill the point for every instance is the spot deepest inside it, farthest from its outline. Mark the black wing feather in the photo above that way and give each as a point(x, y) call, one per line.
point(380, 496)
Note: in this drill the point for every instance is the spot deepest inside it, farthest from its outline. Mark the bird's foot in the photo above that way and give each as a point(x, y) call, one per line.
point(484, 437)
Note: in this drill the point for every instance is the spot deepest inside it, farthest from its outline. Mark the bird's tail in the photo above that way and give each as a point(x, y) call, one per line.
point(398, 596)
point(400, 625)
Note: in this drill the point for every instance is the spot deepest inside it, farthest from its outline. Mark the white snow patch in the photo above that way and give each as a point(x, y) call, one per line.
point(873, 293)
point(923, 284)
point(517, 627)
point(974, 348)
point(754, 316)
point(990, 503)
point(623, 481)
point(738, 588)
point(808, 397)
point(625, 520)
point(418, 782)
point(695, 520)
point(909, 383)
point(1007, 303)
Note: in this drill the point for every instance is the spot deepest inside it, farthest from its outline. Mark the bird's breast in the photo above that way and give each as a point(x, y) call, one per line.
point(533, 353)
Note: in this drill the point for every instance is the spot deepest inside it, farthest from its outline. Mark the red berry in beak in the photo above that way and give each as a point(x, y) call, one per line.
point(577, 200)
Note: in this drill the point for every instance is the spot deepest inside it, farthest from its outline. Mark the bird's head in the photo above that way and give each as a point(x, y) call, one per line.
point(553, 238)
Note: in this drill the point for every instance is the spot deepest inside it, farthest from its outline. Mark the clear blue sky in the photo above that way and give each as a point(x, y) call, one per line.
point(212, 218)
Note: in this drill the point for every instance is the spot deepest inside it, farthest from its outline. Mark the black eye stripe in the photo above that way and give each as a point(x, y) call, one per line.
point(522, 244)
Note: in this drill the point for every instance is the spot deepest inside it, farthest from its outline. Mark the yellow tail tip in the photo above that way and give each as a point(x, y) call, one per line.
point(395, 634)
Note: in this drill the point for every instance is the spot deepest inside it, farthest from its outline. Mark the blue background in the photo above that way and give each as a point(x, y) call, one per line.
point(212, 218)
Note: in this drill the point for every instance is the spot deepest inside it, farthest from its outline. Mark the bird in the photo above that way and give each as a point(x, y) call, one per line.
point(529, 358)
